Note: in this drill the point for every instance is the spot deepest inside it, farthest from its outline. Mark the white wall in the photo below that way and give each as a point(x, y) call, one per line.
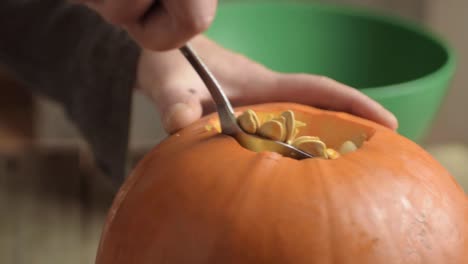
point(450, 19)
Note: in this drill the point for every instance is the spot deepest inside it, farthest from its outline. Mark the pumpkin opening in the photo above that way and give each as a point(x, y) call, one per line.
point(324, 135)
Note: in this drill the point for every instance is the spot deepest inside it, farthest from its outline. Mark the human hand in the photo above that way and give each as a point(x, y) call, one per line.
point(181, 97)
point(158, 25)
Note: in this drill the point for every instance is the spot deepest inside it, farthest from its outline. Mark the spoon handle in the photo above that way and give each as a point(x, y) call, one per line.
point(225, 111)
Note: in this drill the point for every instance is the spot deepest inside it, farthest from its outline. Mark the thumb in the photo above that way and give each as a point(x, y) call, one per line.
point(171, 86)
point(177, 107)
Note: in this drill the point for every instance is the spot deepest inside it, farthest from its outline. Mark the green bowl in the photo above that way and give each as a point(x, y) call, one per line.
point(399, 64)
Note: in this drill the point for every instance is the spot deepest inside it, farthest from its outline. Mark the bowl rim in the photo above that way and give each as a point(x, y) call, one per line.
point(445, 71)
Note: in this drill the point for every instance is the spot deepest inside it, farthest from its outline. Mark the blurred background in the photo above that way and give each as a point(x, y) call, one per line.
point(53, 200)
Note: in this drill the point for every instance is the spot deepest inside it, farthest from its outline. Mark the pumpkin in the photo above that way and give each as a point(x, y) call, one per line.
point(199, 197)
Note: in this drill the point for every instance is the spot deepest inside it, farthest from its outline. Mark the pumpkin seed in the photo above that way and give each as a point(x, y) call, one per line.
point(267, 117)
point(299, 140)
point(332, 154)
point(300, 124)
point(282, 120)
point(248, 121)
point(290, 124)
point(285, 128)
point(272, 129)
point(347, 147)
point(292, 137)
point(311, 145)
point(359, 140)
point(296, 132)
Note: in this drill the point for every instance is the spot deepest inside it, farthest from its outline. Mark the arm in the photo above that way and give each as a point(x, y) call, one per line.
point(71, 55)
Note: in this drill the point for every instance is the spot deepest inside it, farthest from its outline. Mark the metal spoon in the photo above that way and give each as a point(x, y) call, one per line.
point(227, 119)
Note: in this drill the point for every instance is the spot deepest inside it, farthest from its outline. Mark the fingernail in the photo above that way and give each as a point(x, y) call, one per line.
point(177, 116)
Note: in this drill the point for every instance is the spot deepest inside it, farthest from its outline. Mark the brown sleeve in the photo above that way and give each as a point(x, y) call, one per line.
point(71, 55)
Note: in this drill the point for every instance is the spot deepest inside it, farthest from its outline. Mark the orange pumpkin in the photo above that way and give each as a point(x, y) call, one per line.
point(199, 197)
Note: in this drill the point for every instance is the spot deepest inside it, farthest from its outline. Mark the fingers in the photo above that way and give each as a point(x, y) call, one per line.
point(259, 86)
point(174, 23)
point(180, 94)
point(326, 93)
point(177, 107)
point(247, 82)
point(168, 24)
point(172, 86)
point(238, 75)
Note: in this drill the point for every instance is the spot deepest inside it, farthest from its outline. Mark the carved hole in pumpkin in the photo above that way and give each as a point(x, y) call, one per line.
point(335, 129)
point(331, 127)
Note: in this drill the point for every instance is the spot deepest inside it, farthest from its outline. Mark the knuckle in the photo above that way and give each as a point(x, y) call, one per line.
point(197, 24)
point(116, 13)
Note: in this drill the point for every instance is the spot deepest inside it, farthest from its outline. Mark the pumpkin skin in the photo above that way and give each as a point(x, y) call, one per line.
point(199, 197)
